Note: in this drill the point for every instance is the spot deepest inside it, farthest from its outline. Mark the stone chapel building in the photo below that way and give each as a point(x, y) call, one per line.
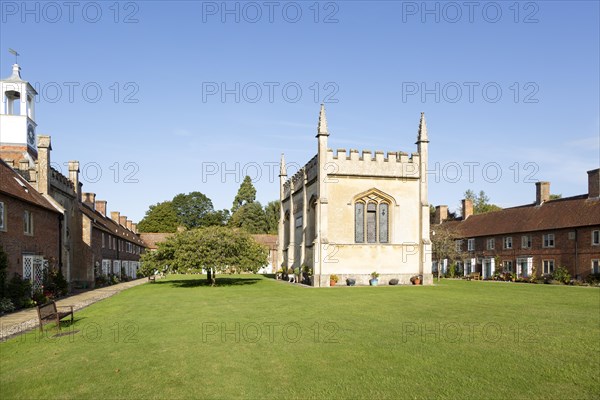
point(354, 214)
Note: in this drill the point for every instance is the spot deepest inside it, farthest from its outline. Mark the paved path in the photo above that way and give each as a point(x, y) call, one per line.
point(22, 321)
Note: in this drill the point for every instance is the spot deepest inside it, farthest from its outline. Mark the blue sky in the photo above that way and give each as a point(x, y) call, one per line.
point(167, 129)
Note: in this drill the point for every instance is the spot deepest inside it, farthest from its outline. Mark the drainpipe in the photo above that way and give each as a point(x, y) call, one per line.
point(60, 233)
point(576, 255)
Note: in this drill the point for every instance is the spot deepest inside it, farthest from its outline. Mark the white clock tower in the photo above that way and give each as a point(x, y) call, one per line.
point(17, 118)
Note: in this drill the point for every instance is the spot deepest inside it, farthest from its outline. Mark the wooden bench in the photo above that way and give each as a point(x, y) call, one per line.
point(152, 278)
point(48, 313)
point(474, 275)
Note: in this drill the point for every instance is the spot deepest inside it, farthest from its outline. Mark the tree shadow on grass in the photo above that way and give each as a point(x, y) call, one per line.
point(220, 282)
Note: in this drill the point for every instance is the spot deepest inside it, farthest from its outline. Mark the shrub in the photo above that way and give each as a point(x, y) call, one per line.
point(561, 274)
point(334, 278)
point(593, 279)
point(39, 298)
point(6, 305)
point(55, 284)
point(18, 291)
point(28, 303)
point(62, 286)
point(452, 270)
point(101, 281)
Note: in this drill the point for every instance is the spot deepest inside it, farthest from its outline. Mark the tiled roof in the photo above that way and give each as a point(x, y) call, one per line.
point(152, 239)
point(108, 225)
point(13, 184)
point(268, 240)
point(570, 212)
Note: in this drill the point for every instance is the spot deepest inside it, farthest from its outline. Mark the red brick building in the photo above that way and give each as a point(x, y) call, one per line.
point(85, 234)
point(30, 227)
point(531, 239)
point(110, 245)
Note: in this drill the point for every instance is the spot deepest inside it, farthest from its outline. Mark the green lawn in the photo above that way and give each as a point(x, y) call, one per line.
point(253, 337)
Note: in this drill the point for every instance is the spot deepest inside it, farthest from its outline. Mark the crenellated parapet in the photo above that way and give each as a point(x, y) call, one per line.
point(369, 163)
point(311, 169)
point(61, 182)
point(298, 179)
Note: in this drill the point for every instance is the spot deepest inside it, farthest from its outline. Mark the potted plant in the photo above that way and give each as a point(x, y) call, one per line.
point(333, 279)
point(374, 281)
point(350, 281)
point(415, 280)
point(307, 275)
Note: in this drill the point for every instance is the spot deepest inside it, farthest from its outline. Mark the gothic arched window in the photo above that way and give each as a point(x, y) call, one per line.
point(371, 217)
point(383, 222)
point(359, 218)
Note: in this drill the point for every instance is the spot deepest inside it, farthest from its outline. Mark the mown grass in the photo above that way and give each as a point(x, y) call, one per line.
point(177, 338)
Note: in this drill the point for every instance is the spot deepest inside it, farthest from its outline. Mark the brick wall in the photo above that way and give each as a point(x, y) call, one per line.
point(575, 254)
point(43, 242)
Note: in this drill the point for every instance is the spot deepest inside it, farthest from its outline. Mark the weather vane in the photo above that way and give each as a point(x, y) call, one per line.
point(14, 53)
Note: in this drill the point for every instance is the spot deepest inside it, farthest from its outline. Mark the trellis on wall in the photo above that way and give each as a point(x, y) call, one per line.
point(33, 270)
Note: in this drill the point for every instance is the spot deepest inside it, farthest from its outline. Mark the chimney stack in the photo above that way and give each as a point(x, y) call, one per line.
point(101, 207)
point(44, 148)
point(90, 200)
point(23, 165)
point(134, 228)
point(594, 183)
point(123, 221)
point(129, 225)
point(74, 177)
point(467, 208)
point(441, 214)
point(542, 192)
point(115, 215)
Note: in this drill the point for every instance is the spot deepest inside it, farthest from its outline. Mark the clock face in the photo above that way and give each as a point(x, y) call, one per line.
point(30, 135)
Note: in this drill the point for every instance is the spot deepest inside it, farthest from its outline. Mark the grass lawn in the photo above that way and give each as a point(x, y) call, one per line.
point(253, 337)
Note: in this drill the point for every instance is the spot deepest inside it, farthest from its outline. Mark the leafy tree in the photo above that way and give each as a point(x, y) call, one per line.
point(192, 209)
point(555, 196)
point(215, 249)
point(150, 262)
point(160, 217)
point(250, 217)
point(272, 216)
point(246, 194)
point(481, 202)
point(443, 245)
point(216, 218)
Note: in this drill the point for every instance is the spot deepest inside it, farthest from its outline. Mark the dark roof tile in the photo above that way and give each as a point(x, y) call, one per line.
point(14, 185)
point(570, 212)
